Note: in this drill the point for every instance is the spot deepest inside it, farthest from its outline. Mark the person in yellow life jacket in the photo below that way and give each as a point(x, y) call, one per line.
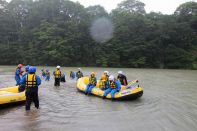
point(31, 82)
point(103, 83)
point(106, 73)
point(57, 74)
point(92, 83)
point(114, 87)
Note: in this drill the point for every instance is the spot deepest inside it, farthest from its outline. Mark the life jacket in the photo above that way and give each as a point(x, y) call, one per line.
point(79, 74)
point(112, 84)
point(102, 84)
point(31, 80)
point(92, 80)
point(57, 74)
point(107, 78)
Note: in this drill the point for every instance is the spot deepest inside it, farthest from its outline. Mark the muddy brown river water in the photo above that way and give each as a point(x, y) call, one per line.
point(169, 103)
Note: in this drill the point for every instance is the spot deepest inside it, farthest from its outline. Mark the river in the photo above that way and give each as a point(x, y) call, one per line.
point(169, 103)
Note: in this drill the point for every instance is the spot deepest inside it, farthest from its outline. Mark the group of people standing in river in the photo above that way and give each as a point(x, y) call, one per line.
point(108, 83)
point(28, 80)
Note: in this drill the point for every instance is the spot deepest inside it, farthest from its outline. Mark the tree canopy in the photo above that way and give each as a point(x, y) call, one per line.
point(51, 32)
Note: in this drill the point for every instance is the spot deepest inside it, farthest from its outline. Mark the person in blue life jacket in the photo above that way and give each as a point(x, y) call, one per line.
point(114, 87)
point(92, 83)
point(18, 73)
point(21, 87)
point(72, 75)
point(43, 74)
point(79, 73)
point(103, 83)
point(57, 75)
point(31, 81)
point(48, 75)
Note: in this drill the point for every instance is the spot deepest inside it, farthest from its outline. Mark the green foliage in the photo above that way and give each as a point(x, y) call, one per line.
point(57, 32)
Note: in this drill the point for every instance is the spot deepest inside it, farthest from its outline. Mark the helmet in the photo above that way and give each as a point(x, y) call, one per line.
point(32, 69)
point(120, 72)
point(79, 69)
point(111, 77)
point(20, 65)
point(106, 72)
point(103, 77)
point(47, 70)
point(58, 67)
point(93, 73)
point(27, 68)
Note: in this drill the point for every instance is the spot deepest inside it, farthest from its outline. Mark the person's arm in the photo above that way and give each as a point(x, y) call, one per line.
point(17, 71)
point(23, 81)
point(118, 85)
point(118, 77)
point(38, 80)
point(126, 80)
point(20, 72)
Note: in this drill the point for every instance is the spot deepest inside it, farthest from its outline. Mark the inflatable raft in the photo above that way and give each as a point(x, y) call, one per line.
point(130, 93)
point(10, 95)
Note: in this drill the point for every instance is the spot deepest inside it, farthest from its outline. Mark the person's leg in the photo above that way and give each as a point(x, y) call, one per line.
point(90, 89)
point(17, 78)
point(28, 99)
point(35, 98)
point(58, 83)
point(55, 82)
point(113, 92)
point(87, 88)
point(107, 91)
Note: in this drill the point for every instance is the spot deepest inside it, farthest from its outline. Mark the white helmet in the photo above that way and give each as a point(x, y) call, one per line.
point(79, 69)
point(106, 72)
point(58, 67)
point(120, 72)
point(111, 78)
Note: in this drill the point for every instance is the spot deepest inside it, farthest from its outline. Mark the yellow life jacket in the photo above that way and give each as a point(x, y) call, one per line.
point(102, 84)
point(106, 77)
point(57, 74)
point(92, 80)
point(112, 84)
point(31, 80)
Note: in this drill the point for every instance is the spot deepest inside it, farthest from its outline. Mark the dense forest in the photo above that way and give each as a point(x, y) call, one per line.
point(51, 32)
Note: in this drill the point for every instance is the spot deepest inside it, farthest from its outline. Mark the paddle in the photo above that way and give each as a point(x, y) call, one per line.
point(132, 82)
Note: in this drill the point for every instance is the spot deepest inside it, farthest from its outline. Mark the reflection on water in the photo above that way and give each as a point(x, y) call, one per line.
point(168, 104)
